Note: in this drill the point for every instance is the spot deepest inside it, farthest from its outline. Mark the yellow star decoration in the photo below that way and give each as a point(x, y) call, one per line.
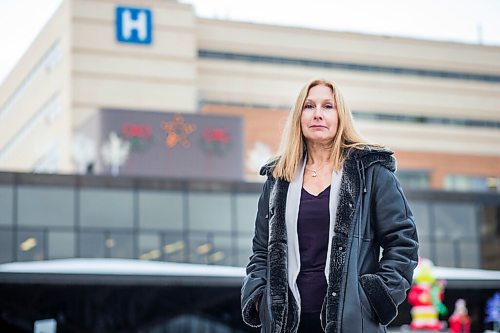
point(178, 132)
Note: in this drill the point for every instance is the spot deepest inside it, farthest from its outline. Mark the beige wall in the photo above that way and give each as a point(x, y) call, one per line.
point(346, 47)
point(35, 103)
point(380, 92)
point(386, 93)
point(108, 74)
point(433, 138)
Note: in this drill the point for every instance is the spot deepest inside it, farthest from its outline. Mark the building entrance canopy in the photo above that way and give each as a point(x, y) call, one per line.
point(138, 272)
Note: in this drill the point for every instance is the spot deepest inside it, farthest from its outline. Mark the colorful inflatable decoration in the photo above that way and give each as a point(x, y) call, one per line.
point(460, 321)
point(426, 296)
point(493, 311)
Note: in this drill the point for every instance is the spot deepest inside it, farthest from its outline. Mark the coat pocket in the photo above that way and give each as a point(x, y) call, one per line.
point(366, 308)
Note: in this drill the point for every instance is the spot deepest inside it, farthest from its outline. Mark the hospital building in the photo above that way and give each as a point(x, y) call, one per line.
point(132, 137)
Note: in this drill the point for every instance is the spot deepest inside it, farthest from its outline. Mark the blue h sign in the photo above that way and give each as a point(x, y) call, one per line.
point(134, 25)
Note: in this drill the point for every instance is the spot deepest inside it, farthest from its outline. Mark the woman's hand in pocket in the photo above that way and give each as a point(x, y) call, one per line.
point(257, 303)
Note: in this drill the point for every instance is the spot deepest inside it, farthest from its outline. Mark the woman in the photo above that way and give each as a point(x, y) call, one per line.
point(329, 204)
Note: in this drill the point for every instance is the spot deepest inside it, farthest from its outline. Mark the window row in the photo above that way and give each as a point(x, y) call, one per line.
point(111, 208)
point(255, 58)
point(193, 247)
point(199, 248)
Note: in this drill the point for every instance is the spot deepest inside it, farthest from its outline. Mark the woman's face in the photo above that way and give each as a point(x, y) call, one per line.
point(319, 118)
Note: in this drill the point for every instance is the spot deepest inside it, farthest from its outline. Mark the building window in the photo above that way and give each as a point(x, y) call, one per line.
point(246, 211)
point(413, 179)
point(471, 183)
point(61, 244)
point(120, 245)
point(47, 111)
point(6, 205)
point(456, 236)
point(92, 244)
point(257, 58)
point(6, 246)
point(149, 246)
point(48, 62)
point(30, 245)
point(44, 206)
point(209, 211)
point(105, 208)
point(422, 221)
point(161, 210)
point(174, 247)
point(106, 244)
point(210, 249)
point(490, 236)
point(222, 252)
point(244, 249)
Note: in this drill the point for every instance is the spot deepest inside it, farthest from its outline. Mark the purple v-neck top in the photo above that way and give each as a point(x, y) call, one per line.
point(313, 227)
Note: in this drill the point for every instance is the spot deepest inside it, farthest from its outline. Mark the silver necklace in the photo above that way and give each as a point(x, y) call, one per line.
point(314, 172)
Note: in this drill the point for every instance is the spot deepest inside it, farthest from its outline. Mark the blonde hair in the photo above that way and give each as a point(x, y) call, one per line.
point(293, 146)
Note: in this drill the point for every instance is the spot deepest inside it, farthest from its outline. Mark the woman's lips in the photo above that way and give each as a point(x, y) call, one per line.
point(317, 126)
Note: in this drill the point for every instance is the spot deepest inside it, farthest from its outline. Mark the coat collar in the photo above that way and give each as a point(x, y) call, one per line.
point(370, 155)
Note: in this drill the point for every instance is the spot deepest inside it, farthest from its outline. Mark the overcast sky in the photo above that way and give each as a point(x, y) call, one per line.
point(466, 21)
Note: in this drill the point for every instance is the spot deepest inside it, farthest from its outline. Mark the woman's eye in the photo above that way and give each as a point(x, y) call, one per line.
point(308, 106)
point(328, 106)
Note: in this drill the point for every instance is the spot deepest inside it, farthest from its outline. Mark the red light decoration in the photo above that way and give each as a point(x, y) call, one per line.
point(140, 136)
point(216, 135)
point(131, 130)
point(216, 141)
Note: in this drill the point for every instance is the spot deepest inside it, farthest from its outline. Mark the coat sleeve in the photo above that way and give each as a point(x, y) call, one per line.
point(256, 270)
point(396, 233)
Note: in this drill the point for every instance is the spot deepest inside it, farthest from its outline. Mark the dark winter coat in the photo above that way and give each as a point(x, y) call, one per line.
point(364, 289)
